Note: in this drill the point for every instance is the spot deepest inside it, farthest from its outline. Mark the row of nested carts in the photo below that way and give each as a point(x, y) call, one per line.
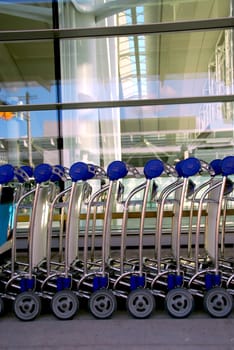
point(82, 272)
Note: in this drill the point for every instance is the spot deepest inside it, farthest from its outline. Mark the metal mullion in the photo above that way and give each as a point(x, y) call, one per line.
point(117, 103)
point(97, 32)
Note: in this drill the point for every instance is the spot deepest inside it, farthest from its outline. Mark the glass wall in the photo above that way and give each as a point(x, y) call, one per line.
point(104, 80)
point(79, 13)
point(137, 134)
point(29, 138)
point(148, 66)
point(25, 15)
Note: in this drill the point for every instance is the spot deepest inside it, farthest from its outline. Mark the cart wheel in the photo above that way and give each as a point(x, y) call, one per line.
point(102, 304)
point(218, 302)
point(64, 304)
point(140, 303)
point(179, 303)
point(1, 306)
point(27, 306)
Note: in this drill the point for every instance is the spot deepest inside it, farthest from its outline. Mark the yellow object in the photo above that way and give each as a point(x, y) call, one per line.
point(7, 115)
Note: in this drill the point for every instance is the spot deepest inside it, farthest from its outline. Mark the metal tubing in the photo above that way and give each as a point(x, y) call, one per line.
point(49, 232)
point(198, 224)
point(161, 203)
point(107, 225)
point(13, 249)
point(124, 224)
point(93, 198)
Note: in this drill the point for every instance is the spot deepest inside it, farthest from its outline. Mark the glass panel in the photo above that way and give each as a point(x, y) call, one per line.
point(27, 66)
point(79, 13)
point(29, 138)
point(25, 14)
point(137, 134)
point(148, 66)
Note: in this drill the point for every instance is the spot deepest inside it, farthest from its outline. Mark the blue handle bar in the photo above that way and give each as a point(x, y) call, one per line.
point(81, 171)
point(188, 167)
point(228, 166)
point(153, 168)
point(42, 172)
point(6, 173)
point(117, 170)
point(216, 166)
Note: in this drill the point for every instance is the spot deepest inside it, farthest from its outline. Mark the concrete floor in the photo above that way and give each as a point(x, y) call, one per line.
point(121, 332)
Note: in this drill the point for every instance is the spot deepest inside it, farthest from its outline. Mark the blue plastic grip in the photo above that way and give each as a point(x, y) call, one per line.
point(81, 171)
point(153, 168)
point(100, 282)
point(58, 172)
point(212, 280)
point(188, 167)
point(42, 172)
point(6, 173)
point(174, 281)
point(63, 283)
point(137, 282)
point(27, 284)
point(116, 170)
point(216, 166)
point(228, 166)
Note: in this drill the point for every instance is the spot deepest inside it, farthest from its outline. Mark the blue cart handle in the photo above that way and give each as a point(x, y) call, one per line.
point(228, 166)
point(7, 173)
point(117, 170)
point(153, 168)
point(42, 172)
point(188, 167)
point(216, 167)
point(81, 171)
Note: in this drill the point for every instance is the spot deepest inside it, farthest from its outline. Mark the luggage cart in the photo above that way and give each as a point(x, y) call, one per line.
point(19, 276)
point(213, 169)
point(209, 282)
point(167, 277)
point(59, 282)
point(94, 285)
point(129, 281)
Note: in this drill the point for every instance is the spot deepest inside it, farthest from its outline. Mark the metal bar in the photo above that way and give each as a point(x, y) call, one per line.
point(97, 32)
point(117, 103)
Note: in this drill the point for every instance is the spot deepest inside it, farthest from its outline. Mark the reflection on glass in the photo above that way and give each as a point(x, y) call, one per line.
point(79, 13)
point(27, 66)
point(29, 138)
point(25, 14)
point(136, 134)
point(148, 66)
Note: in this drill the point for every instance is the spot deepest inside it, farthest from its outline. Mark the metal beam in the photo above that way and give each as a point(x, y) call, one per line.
point(116, 104)
point(97, 32)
